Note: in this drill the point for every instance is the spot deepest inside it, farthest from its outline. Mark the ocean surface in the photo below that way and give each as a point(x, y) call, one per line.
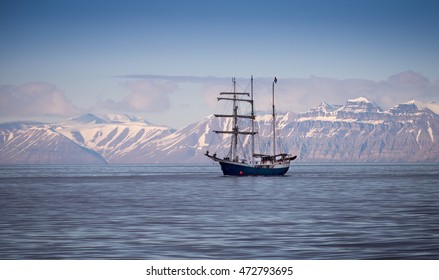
point(360, 211)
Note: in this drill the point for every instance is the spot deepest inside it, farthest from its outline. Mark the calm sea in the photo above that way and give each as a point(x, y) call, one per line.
point(359, 211)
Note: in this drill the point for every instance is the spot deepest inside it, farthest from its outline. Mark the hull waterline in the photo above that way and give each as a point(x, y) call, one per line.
point(233, 169)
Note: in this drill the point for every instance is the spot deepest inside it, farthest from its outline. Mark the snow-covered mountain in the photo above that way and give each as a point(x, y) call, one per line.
point(87, 139)
point(118, 138)
point(359, 131)
point(39, 143)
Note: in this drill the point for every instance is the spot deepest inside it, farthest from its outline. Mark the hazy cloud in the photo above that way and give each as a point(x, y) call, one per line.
point(174, 95)
point(299, 95)
point(209, 86)
point(293, 94)
point(35, 99)
point(144, 96)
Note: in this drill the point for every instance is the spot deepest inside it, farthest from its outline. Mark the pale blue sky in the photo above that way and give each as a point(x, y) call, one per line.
point(87, 51)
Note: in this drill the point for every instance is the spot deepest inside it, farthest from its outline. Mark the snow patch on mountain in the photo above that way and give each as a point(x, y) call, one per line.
point(40, 144)
point(123, 118)
point(88, 118)
point(115, 137)
point(433, 106)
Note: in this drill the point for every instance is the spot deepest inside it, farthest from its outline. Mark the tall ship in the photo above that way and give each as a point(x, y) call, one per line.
point(273, 164)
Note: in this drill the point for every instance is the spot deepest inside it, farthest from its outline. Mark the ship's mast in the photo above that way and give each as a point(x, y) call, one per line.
point(253, 124)
point(235, 125)
point(274, 122)
point(235, 116)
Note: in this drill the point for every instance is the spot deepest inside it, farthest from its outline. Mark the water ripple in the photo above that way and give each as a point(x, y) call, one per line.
point(193, 212)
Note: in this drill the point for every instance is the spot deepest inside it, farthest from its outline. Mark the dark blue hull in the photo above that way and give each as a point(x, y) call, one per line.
point(234, 169)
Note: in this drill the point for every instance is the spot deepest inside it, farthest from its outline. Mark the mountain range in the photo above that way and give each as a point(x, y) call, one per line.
point(359, 131)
